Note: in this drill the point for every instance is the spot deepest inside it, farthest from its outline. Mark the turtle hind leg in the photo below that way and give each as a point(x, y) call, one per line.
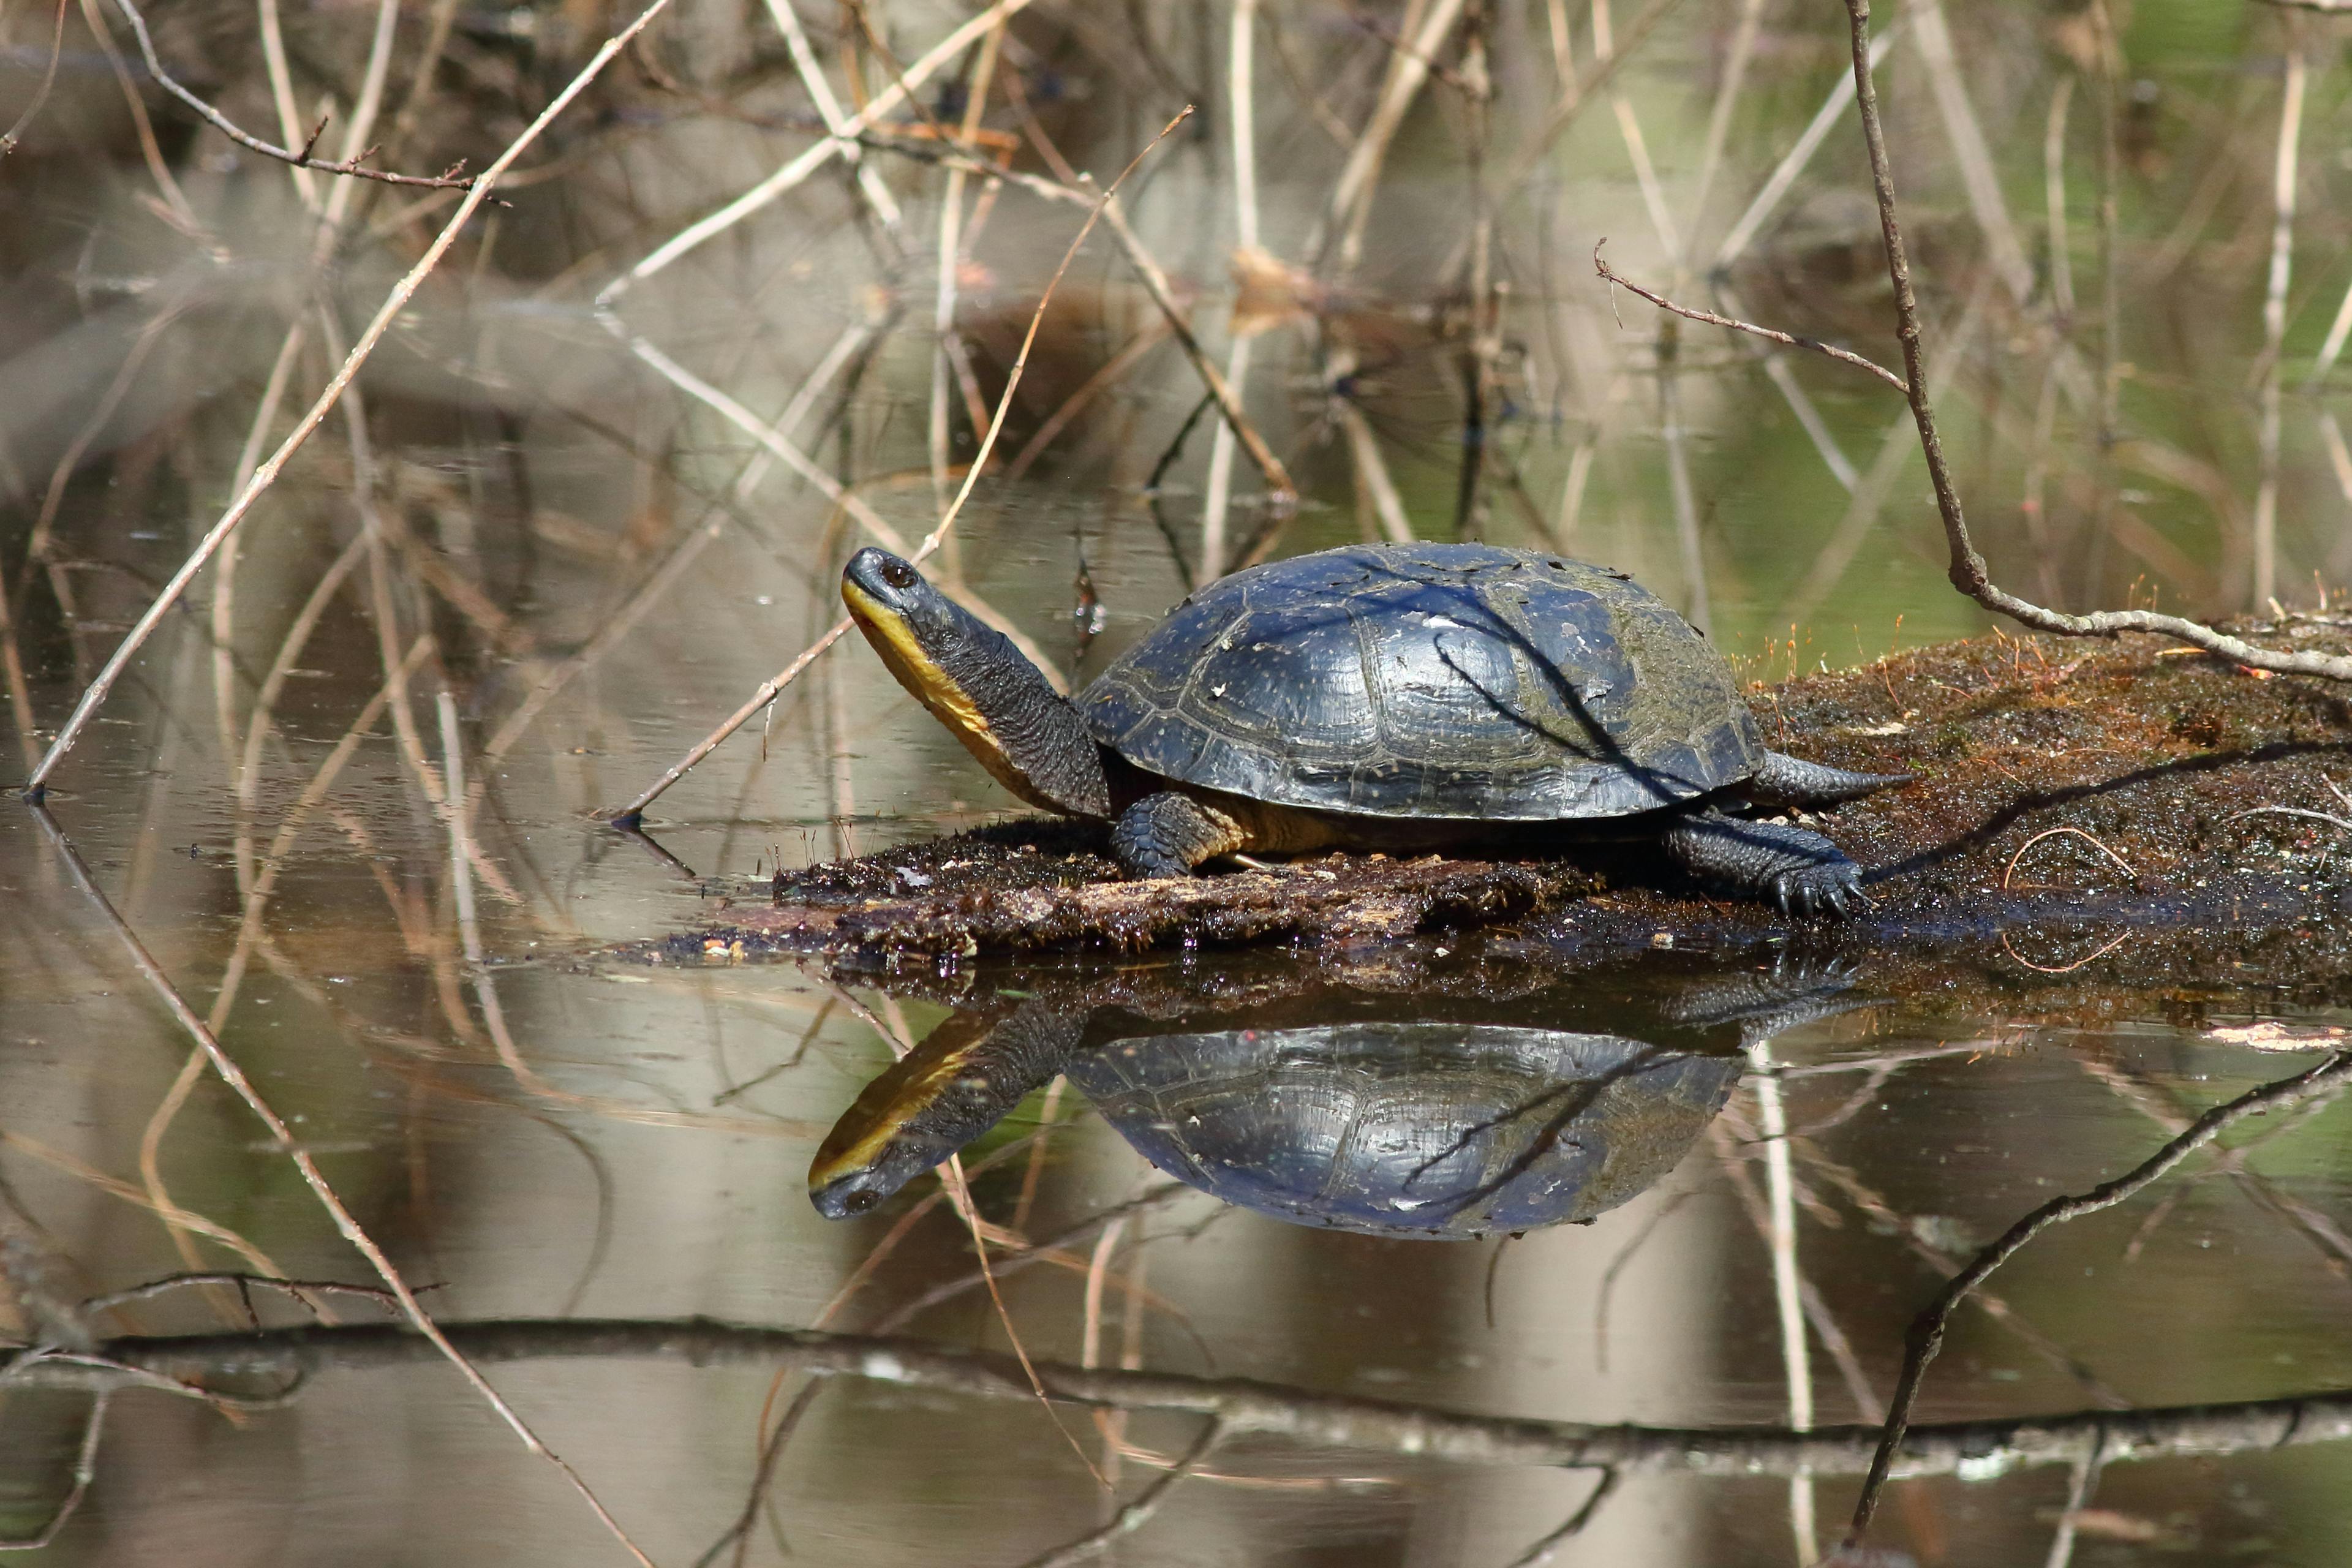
point(1801, 872)
point(1168, 834)
point(1786, 781)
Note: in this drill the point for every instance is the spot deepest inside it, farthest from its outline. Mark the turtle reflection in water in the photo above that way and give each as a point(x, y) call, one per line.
point(1423, 1129)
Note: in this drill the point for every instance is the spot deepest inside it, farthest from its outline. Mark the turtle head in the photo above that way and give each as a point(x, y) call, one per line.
point(979, 685)
point(963, 1080)
point(856, 1177)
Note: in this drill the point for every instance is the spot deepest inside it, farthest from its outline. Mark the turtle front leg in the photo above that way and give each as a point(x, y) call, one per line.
point(1168, 834)
point(1801, 872)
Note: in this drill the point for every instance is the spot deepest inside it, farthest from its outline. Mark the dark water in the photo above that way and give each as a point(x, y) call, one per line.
point(557, 553)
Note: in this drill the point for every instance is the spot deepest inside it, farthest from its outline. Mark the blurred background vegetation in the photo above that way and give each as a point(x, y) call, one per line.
point(2094, 192)
point(596, 483)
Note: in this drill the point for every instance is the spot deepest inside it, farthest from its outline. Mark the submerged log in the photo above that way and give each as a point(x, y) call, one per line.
point(2131, 781)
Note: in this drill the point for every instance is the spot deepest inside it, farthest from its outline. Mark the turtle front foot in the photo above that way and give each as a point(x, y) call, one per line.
point(1802, 873)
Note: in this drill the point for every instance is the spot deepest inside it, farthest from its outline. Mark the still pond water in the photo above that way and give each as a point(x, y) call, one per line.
point(549, 567)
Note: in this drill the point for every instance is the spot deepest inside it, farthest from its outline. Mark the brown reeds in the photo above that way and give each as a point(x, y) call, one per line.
point(482, 622)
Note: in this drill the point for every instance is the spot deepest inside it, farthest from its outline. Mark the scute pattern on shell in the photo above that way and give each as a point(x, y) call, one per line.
point(1431, 681)
point(1446, 1131)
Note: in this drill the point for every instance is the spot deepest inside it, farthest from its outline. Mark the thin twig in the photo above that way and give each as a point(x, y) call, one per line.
point(1968, 570)
point(298, 1288)
point(2094, 840)
point(1927, 1336)
point(306, 1166)
point(267, 474)
point(631, 814)
point(1844, 356)
point(2327, 817)
point(354, 167)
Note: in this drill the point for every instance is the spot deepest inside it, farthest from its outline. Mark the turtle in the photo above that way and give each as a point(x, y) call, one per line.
point(1417, 1127)
point(1501, 1105)
point(1400, 698)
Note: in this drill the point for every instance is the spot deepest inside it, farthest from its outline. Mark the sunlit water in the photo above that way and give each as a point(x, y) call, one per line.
point(558, 1129)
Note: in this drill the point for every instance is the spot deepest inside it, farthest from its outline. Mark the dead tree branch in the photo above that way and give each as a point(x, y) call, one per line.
point(1968, 572)
point(1244, 1405)
point(356, 168)
point(1927, 1336)
point(1844, 356)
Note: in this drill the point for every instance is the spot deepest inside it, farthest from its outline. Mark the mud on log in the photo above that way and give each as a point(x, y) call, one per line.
point(2058, 782)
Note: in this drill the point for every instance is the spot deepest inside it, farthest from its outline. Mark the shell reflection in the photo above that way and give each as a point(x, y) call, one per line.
point(1445, 1118)
point(1432, 1129)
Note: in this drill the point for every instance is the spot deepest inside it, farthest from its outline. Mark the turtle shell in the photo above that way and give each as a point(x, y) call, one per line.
point(1430, 1130)
point(1431, 681)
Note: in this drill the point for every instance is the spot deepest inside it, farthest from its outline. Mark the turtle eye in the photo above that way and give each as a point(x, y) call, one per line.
point(859, 1202)
point(898, 575)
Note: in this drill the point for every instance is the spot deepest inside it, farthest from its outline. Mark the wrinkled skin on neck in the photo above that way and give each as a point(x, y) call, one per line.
point(973, 680)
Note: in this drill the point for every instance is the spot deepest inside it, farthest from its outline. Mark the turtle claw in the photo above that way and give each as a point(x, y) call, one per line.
point(1815, 890)
point(1802, 873)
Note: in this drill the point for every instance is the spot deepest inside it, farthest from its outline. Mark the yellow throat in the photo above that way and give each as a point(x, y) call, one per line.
point(935, 688)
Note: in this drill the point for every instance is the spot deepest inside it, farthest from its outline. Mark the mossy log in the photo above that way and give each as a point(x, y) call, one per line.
point(2063, 788)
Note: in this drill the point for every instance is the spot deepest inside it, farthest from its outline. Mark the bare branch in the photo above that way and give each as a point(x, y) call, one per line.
point(1246, 1406)
point(1926, 1335)
point(1844, 356)
point(299, 1289)
point(1968, 572)
point(355, 167)
point(633, 813)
